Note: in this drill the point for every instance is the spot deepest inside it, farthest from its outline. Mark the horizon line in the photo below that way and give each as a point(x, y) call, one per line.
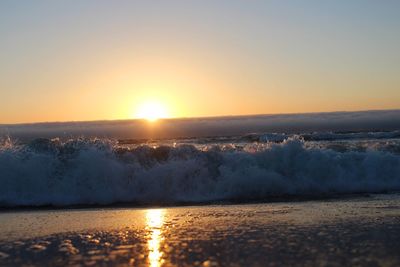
point(197, 117)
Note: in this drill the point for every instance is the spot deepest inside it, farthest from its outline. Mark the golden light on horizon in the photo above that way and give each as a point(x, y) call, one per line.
point(152, 111)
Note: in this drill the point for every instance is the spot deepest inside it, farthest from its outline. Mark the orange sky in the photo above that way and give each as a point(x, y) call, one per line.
point(101, 60)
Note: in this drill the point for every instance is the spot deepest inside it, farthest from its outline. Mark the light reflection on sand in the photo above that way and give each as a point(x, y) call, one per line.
point(155, 220)
point(345, 232)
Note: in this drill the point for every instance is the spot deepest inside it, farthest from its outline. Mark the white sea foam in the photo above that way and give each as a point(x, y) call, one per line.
point(51, 172)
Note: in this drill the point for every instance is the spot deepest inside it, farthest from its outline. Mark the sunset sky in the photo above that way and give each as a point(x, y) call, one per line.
point(94, 60)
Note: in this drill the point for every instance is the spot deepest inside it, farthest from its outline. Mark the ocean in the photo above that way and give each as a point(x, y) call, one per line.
point(101, 163)
point(268, 190)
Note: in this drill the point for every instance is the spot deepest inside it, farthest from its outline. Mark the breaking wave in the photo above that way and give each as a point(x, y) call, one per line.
point(52, 172)
point(280, 137)
point(330, 136)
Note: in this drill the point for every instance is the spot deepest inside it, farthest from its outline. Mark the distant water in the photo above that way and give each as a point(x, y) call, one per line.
point(231, 159)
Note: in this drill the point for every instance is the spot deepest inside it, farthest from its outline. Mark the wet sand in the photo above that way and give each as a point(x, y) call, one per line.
point(346, 232)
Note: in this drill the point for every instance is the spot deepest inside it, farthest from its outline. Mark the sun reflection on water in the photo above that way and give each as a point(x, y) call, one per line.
point(155, 220)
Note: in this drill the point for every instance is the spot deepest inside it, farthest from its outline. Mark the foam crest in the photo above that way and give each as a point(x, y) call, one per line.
point(51, 172)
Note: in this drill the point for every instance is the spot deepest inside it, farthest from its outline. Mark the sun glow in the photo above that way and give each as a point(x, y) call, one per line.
point(152, 111)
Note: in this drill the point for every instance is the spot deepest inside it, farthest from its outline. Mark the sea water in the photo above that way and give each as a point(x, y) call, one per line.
point(231, 159)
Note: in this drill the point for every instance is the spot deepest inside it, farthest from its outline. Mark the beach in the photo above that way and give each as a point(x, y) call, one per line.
point(199, 133)
point(353, 231)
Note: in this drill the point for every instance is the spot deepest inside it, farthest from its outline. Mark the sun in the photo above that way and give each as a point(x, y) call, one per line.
point(151, 111)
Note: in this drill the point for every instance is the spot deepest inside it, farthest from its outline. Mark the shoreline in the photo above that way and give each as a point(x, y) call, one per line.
point(133, 205)
point(342, 232)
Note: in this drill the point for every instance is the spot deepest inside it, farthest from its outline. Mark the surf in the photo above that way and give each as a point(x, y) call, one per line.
point(101, 171)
